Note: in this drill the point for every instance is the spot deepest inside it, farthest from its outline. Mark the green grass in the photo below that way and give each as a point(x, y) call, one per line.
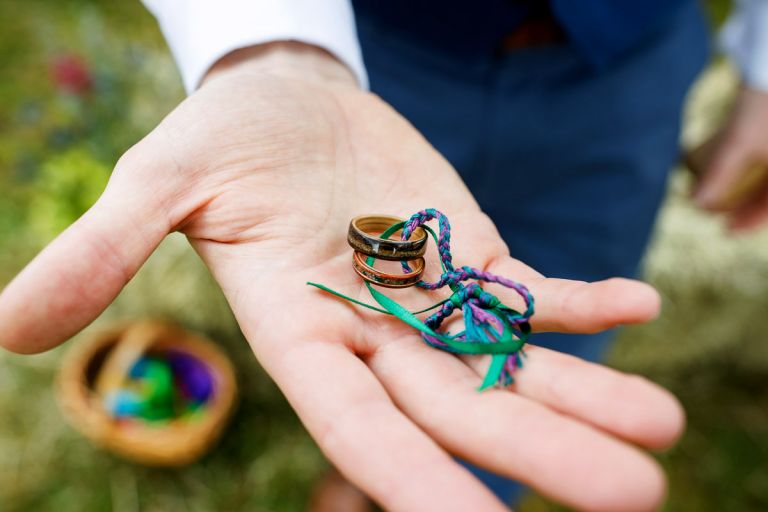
point(266, 461)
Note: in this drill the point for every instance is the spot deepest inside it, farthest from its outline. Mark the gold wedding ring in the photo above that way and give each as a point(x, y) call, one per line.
point(363, 237)
point(380, 278)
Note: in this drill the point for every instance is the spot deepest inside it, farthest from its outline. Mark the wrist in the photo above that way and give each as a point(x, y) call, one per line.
point(289, 59)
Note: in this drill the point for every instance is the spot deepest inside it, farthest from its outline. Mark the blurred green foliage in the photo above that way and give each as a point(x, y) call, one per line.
point(83, 80)
point(68, 183)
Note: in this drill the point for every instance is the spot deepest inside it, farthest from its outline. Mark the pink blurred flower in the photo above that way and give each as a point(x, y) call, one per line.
point(70, 73)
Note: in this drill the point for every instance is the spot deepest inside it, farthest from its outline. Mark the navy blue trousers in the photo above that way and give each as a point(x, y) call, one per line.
point(570, 163)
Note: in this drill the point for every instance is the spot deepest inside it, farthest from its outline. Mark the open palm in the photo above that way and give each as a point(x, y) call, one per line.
point(262, 173)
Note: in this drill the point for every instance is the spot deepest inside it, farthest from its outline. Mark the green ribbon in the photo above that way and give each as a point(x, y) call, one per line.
point(499, 349)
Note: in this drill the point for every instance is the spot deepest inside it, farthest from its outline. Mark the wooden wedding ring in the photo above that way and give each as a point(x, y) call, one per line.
point(380, 278)
point(362, 237)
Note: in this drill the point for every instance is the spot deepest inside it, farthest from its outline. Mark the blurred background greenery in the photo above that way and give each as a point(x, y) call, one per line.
point(82, 81)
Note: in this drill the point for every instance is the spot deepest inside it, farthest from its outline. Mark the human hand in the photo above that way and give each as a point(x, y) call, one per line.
point(733, 165)
point(261, 169)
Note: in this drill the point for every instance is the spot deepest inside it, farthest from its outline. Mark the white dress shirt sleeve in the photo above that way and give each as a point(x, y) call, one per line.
point(200, 32)
point(745, 39)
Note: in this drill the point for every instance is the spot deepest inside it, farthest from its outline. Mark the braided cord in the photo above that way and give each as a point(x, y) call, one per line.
point(490, 327)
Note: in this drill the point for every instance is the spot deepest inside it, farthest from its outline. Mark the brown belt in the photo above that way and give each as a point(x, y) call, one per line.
point(541, 30)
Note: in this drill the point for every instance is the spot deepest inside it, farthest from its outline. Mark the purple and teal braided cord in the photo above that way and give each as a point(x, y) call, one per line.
point(490, 327)
point(486, 318)
point(419, 219)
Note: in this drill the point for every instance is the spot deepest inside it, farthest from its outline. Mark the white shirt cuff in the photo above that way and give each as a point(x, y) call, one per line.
point(745, 39)
point(200, 32)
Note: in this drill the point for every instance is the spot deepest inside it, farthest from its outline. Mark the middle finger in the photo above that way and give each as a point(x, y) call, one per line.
point(519, 438)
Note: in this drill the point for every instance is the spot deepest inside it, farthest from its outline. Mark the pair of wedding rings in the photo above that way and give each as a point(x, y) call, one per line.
point(364, 236)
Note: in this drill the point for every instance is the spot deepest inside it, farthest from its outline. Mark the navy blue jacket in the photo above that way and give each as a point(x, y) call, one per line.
point(601, 29)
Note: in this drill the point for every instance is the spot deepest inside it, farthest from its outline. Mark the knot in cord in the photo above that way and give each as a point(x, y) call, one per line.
point(486, 319)
point(490, 326)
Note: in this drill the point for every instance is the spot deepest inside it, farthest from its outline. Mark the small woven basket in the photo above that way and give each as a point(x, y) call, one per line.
point(176, 443)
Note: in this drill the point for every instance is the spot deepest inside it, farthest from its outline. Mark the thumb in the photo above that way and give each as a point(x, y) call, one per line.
point(81, 272)
point(720, 174)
